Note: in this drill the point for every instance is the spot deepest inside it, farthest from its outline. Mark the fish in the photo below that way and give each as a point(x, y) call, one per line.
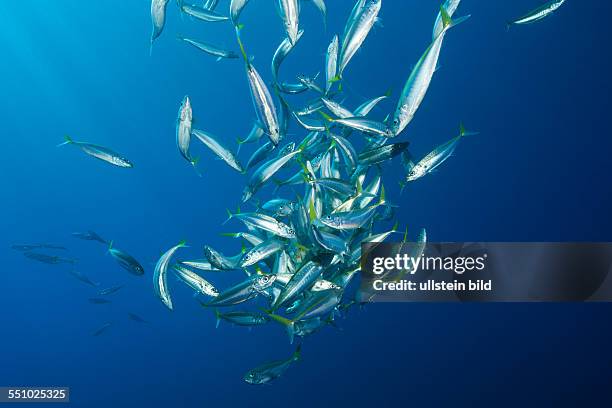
point(363, 17)
point(436, 157)
point(262, 99)
point(261, 252)
point(254, 135)
point(80, 276)
point(367, 126)
point(203, 14)
point(265, 172)
point(245, 290)
point(290, 14)
point(331, 64)
point(125, 260)
point(267, 372)
point(160, 275)
point(303, 279)
point(210, 49)
point(183, 130)
point(99, 152)
point(48, 259)
point(236, 8)
point(210, 4)
point(381, 154)
point(241, 318)
point(89, 236)
point(220, 261)
point(538, 13)
point(281, 53)
point(320, 5)
point(217, 148)
point(135, 318)
point(195, 281)
point(158, 17)
point(450, 6)
point(201, 265)
point(260, 154)
point(102, 329)
point(110, 290)
point(265, 223)
point(99, 301)
point(420, 78)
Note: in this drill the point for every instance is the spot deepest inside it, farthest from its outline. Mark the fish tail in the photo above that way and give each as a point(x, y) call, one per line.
point(297, 354)
point(110, 247)
point(448, 21)
point(218, 317)
point(194, 164)
point(182, 244)
point(289, 324)
point(464, 132)
point(239, 27)
point(230, 215)
point(67, 140)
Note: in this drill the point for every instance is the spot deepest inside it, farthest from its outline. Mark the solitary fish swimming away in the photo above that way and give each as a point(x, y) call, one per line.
point(99, 152)
point(538, 14)
point(272, 370)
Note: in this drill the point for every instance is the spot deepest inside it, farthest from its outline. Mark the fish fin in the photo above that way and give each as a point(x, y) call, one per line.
point(405, 235)
point(297, 354)
point(110, 246)
point(183, 244)
point(218, 317)
point(395, 226)
point(464, 132)
point(326, 116)
point(289, 324)
point(389, 92)
point(67, 140)
point(219, 59)
point(448, 21)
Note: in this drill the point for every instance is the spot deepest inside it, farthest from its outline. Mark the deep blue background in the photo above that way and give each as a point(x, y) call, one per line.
point(539, 170)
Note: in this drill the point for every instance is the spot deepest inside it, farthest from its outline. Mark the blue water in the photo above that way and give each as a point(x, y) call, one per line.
point(538, 171)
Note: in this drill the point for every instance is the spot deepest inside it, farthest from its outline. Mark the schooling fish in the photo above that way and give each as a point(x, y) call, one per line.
point(241, 318)
point(420, 78)
point(262, 99)
point(183, 130)
point(281, 53)
point(331, 63)
point(261, 252)
point(217, 148)
point(210, 49)
point(203, 14)
point(539, 13)
point(366, 125)
point(290, 13)
point(48, 259)
point(265, 172)
point(80, 276)
point(110, 291)
point(381, 154)
point(158, 17)
point(303, 279)
point(125, 260)
point(160, 275)
point(434, 159)
point(272, 370)
point(264, 223)
point(89, 236)
point(245, 290)
point(99, 152)
point(236, 7)
point(195, 281)
point(220, 261)
point(363, 17)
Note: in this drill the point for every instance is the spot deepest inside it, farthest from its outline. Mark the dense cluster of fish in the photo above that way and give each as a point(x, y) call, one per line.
point(126, 261)
point(300, 252)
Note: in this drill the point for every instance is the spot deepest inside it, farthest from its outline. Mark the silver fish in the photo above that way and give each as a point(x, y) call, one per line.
point(158, 18)
point(303, 279)
point(183, 129)
point(331, 64)
point(203, 14)
point(221, 151)
point(420, 78)
point(451, 7)
point(281, 53)
point(99, 152)
point(160, 275)
point(261, 252)
point(272, 370)
point(290, 14)
point(195, 281)
point(236, 7)
point(364, 20)
point(265, 172)
point(210, 49)
point(539, 13)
